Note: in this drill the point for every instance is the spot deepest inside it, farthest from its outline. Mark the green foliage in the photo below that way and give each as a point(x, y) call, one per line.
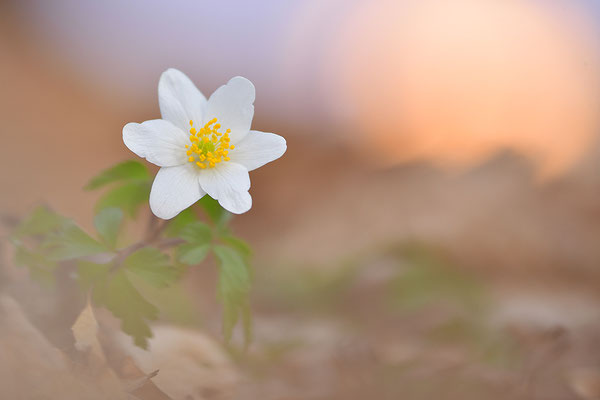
point(40, 267)
point(116, 292)
point(196, 232)
point(129, 197)
point(177, 224)
point(173, 302)
point(135, 282)
point(125, 171)
point(72, 242)
point(132, 188)
point(113, 287)
point(217, 214)
point(430, 279)
point(152, 266)
point(88, 273)
point(233, 288)
point(239, 245)
point(126, 303)
point(41, 221)
point(108, 223)
point(192, 253)
point(198, 236)
point(31, 239)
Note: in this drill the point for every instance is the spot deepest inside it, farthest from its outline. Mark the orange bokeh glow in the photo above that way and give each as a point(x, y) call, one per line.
point(454, 81)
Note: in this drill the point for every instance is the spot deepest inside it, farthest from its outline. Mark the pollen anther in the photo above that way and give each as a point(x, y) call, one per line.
point(208, 146)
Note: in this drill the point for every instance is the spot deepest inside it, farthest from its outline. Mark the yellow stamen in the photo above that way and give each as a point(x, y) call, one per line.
point(208, 147)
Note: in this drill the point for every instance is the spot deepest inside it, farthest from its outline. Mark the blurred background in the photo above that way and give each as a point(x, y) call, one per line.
point(433, 230)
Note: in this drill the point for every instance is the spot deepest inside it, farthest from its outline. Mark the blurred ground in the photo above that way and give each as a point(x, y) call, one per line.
point(412, 282)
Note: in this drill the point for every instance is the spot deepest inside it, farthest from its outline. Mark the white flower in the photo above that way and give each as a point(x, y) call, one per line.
point(202, 146)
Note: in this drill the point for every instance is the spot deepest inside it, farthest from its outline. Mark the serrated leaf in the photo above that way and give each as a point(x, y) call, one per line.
point(128, 197)
point(192, 253)
point(107, 223)
point(41, 221)
point(152, 266)
point(173, 301)
point(196, 232)
point(72, 242)
point(177, 224)
point(125, 171)
point(233, 289)
point(217, 214)
point(119, 296)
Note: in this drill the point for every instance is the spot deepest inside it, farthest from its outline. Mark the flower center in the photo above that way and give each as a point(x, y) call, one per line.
point(208, 146)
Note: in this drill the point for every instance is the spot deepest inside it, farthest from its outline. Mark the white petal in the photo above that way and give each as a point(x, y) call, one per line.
point(237, 202)
point(232, 105)
point(228, 183)
point(180, 100)
point(257, 149)
point(158, 141)
point(174, 189)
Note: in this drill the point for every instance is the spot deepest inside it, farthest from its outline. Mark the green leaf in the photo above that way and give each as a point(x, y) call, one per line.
point(177, 224)
point(241, 246)
point(88, 273)
point(217, 214)
point(41, 221)
point(120, 296)
point(128, 197)
point(40, 268)
point(153, 266)
point(174, 302)
point(108, 222)
point(233, 289)
point(125, 171)
point(71, 243)
point(192, 253)
point(196, 232)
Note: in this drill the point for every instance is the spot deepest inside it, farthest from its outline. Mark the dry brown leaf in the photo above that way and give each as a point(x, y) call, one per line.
point(585, 382)
point(85, 331)
point(138, 383)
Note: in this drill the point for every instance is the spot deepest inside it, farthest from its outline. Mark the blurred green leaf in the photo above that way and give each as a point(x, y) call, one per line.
point(198, 235)
point(173, 301)
point(72, 242)
point(128, 197)
point(196, 232)
point(119, 295)
point(125, 171)
point(25, 257)
point(233, 289)
point(192, 253)
point(241, 246)
point(177, 224)
point(428, 278)
point(41, 221)
point(153, 266)
point(108, 222)
point(217, 214)
point(89, 273)
point(40, 268)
